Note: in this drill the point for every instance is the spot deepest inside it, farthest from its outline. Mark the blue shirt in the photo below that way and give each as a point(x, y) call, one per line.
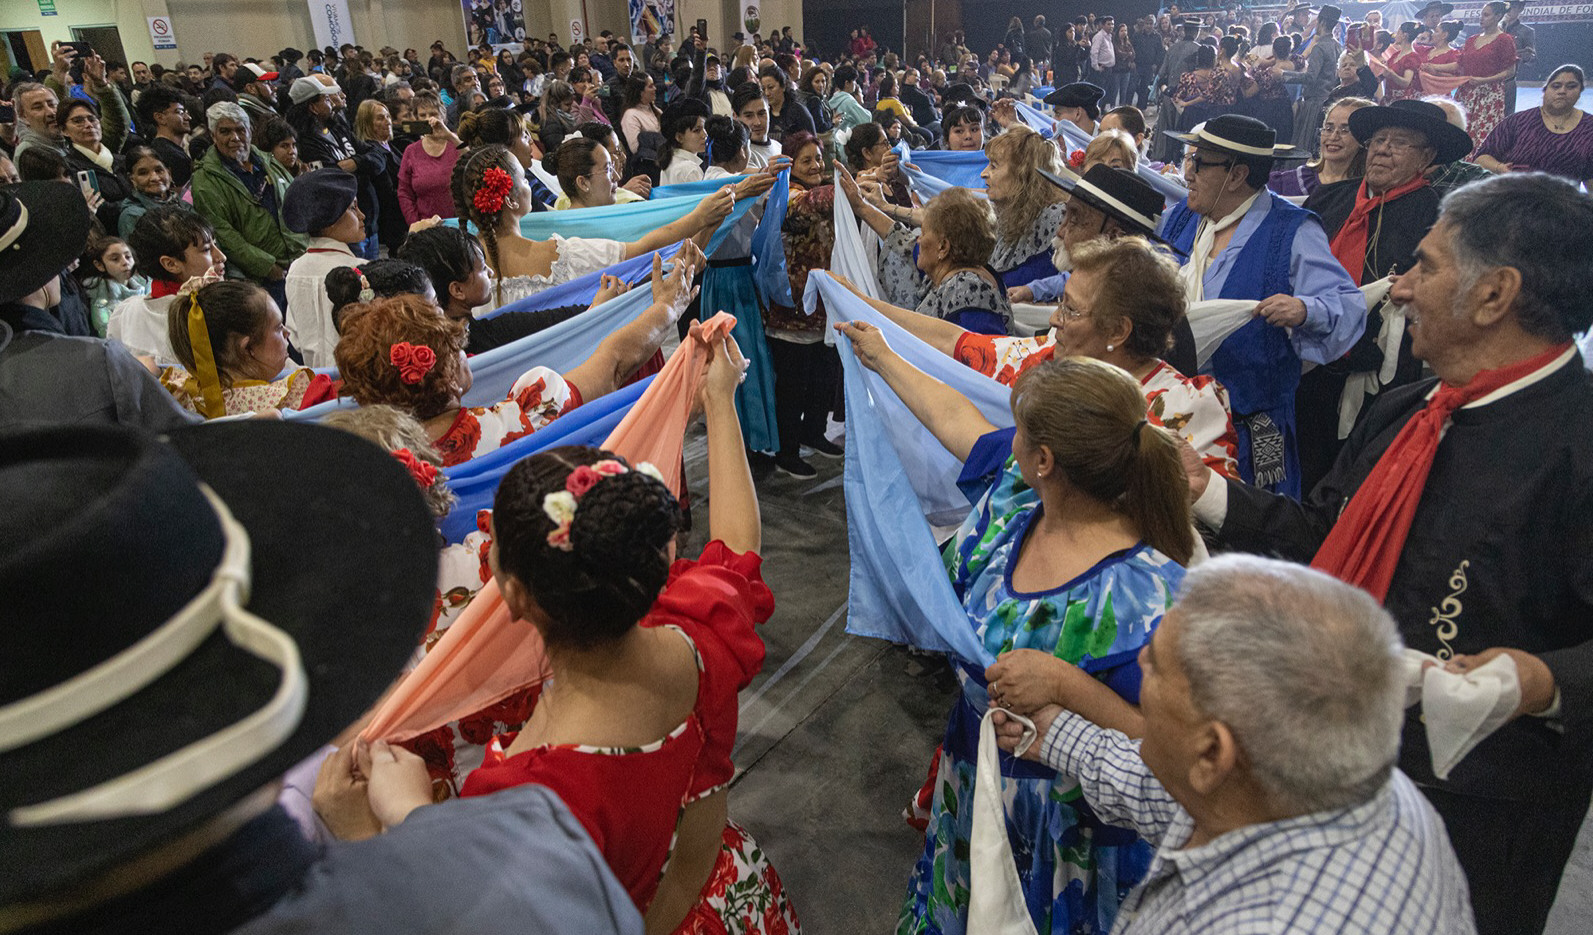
point(1384, 865)
point(1335, 310)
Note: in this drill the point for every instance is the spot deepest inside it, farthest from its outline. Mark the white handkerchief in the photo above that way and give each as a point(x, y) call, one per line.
point(995, 895)
point(1460, 710)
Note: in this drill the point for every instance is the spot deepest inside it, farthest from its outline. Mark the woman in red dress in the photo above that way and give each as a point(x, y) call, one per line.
point(1403, 79)
point(1487, 60)
point(635, 726)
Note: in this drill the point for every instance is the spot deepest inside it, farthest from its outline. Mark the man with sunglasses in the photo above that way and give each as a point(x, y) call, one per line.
point(1244, 243)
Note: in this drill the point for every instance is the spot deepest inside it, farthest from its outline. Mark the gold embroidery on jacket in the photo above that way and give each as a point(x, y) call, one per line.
point(1450, 608)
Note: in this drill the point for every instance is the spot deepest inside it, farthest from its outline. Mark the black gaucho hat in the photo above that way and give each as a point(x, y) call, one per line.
point(43, 228)
point(1117, 193)
point(183, 649)
point(1451, 142)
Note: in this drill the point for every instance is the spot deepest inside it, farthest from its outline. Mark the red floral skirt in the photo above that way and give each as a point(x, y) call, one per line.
point(743, 895)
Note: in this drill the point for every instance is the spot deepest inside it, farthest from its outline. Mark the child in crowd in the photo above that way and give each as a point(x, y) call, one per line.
point(376, 279)
point(457, 267)
point(323, 204)
point(229, 338)
point(171, 245)
point(108, 279)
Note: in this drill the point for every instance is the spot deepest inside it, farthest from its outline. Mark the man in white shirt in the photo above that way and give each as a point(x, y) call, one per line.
point(753, 112)
point(323, 204)
point(1103, 55)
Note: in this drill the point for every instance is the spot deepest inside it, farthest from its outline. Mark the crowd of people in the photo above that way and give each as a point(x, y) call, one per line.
point(1287, 308)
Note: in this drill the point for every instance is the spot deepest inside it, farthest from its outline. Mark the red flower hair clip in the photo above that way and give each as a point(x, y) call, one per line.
point(495, 187)
point(1076, 159)
point(424, 472)
point(413, 361)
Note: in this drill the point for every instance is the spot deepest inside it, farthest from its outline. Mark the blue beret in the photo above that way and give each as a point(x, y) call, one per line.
point(317, 199)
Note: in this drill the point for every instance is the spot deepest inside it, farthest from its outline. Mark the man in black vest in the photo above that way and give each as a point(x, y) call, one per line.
point(1464, 503)
point(1373, 225)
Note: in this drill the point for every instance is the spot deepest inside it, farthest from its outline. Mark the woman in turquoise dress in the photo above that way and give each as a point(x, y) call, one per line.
point(1072, 554)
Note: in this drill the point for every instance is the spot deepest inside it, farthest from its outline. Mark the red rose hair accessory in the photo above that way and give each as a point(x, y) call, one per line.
point(560, 505)
point(424, 472)
point(495, 187)
point(1076, 159)
point(413, 361)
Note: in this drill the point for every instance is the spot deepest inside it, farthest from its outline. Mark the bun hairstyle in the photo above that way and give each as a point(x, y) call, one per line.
point(385, 278)
point(574, 159)
point(617, 562)
point(726, 139)
point(229, 307)
point(364, 355)
point(490, 126)
point(1091, 415)
point(469, 173)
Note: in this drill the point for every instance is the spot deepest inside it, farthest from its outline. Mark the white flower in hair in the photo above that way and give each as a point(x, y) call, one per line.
point(559, 507)
point(647, 467)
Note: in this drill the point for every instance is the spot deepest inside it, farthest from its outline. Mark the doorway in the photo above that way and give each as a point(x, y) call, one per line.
point(106, 40)
point(24, 49)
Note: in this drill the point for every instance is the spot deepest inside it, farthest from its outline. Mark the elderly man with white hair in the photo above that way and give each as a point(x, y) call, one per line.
point(239, 190)
point(1272, 698)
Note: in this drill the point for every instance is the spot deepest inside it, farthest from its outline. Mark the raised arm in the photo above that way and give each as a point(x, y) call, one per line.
point(937, 333)
point(701, 222)
point(954, 421)
point(622, 352)
point(733, 516)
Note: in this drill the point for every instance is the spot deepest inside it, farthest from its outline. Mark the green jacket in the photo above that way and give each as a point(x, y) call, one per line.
point(252, 238)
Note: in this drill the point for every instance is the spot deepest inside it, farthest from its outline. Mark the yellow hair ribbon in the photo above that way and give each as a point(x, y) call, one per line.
point(209, 402)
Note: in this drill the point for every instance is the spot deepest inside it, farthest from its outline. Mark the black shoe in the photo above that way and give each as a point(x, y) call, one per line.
point(823, 446)
point(794, 466)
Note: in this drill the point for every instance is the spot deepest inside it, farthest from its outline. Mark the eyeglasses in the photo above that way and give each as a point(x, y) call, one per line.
point(1335, 129)
point(1070, 313)
point(1394, 144)
point(1193, 162)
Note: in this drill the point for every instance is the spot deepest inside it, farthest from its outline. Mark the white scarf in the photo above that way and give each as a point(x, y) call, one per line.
point(102, 158)
point(1194, 272)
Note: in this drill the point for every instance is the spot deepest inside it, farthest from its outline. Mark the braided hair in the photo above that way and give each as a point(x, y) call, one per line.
point(469, 172)
point(618, 561)
point(385, 278)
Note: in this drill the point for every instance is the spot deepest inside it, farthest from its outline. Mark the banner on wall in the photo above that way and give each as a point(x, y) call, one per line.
point(331, 22)
point(752, 17)
point(651, 19)
point(498, 23)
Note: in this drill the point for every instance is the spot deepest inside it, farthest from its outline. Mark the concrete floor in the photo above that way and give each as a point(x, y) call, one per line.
point(837, 732)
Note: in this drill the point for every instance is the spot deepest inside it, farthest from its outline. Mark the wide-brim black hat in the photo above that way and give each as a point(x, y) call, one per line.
point(1239, 135)
point(1117, 193)
point(107, 536)
point(1077, 94)
point(290, 55)
point(1451, 142)
point(960, 92)
point(44, 226)
point(1444, 9)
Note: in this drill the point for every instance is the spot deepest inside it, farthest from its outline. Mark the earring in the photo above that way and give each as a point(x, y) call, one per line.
point(1108, 348)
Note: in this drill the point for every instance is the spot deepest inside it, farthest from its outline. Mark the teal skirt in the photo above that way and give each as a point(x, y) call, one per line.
point(729, 287)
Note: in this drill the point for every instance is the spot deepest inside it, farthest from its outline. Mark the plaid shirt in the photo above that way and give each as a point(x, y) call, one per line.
point(1383, 866)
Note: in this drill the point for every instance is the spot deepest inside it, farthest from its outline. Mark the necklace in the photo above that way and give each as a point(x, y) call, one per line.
point(1561, 124)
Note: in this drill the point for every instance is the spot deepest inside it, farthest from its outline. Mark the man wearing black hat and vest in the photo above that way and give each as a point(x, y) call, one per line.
point(1078, 103)
point(50, 374)
point(182, 655)
point(1318, 79)
point(1246, 244)
point(1526, 48)
point(1374, 224)
point(1431, 15)
point(1464, 504)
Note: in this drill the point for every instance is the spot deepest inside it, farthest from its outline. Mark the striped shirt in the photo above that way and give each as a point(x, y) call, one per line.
point(1382, 866)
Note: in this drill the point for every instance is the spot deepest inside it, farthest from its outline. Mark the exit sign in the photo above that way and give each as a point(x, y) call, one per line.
point(47, 8)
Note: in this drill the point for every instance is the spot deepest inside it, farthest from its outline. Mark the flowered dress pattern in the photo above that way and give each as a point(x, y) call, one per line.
point(537, 398)
point(1073, 869)
point(299, 389)
point(1194, 408)
point(1485, 103)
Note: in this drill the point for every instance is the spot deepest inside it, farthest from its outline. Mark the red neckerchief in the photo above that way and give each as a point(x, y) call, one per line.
point(1365, 544)
point(1349, 244)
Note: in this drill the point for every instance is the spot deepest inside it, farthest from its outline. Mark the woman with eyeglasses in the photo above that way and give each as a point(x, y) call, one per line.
point(1341, 156)
point(79, 121)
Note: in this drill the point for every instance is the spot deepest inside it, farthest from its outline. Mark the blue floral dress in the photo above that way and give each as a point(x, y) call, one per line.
point(1074, 870)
